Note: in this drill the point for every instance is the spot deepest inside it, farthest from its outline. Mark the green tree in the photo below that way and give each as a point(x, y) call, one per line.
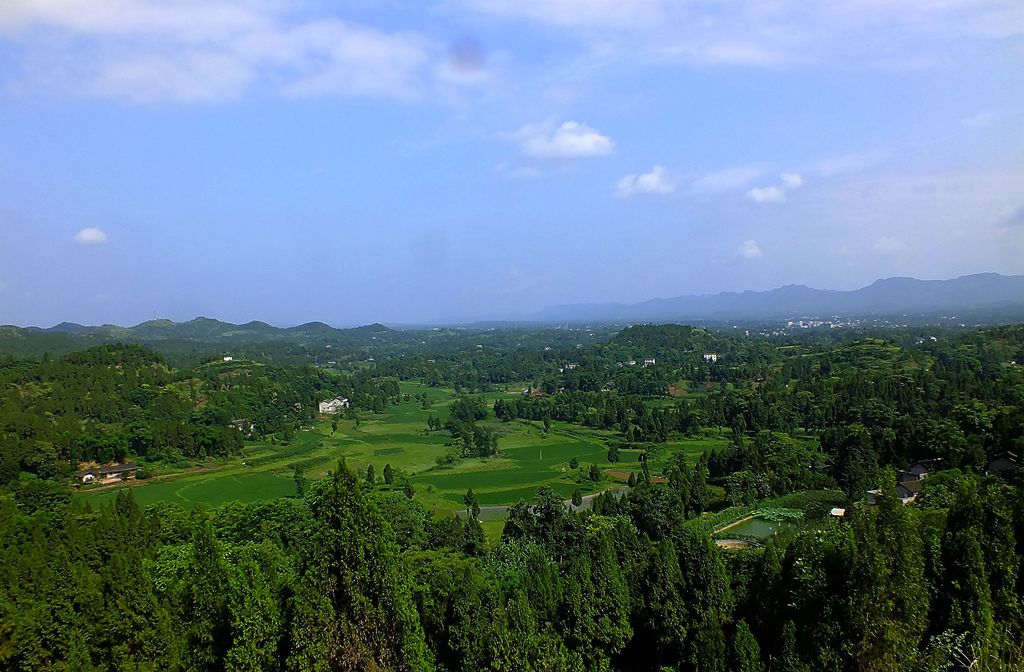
point(966, 606)
point(355, 593)
point(472, 505)
point(746, 653)
point(206, 610)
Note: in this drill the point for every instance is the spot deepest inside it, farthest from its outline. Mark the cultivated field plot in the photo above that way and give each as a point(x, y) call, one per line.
point(529, 458)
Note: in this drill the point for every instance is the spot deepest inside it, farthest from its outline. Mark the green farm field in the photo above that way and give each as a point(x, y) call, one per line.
point(528, 459)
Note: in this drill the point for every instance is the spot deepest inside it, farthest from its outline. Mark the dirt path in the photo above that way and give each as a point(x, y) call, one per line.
point(733, 524)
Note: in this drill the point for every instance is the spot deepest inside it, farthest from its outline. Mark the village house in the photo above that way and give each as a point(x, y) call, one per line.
point(333, 405)
point(246, 427)
point(711, 357)
point(909, 481)
point(1002, 463)
point(650, 361)
point(228, 358)
point(108, 473)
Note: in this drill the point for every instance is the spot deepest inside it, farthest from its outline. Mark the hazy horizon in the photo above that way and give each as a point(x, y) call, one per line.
point(413, 162)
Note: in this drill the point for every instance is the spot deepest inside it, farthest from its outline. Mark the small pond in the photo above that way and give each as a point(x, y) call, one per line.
point(757, 528)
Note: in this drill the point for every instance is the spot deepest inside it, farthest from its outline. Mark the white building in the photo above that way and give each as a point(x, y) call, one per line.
point(711, 357)
point(333, 405)
point(650, 361)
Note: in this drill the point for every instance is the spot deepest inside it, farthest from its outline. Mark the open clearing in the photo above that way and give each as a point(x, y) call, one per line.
point(529, 459)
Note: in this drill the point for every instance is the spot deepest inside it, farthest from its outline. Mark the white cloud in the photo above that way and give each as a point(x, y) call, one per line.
point(90, 235)
point(776, 193)
point(767, 194)
point(570, 140)
point(202, 50)
point(750, 249)
point(791, 180)
point(658, 181)
point(889, 245)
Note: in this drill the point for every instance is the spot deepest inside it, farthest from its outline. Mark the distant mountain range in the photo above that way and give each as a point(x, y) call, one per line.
point(987, 297)
point(207, 330)
point(990, 292)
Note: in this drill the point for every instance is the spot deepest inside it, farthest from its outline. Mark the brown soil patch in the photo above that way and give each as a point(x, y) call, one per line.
point(732, 544)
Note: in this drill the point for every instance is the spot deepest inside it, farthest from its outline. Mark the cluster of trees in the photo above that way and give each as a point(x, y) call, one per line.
point(770, 464)
point(602, 410)
point(468, 438)
point(354, 576)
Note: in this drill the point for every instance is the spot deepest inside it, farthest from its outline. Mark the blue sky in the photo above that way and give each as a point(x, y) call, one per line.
point(411, 161)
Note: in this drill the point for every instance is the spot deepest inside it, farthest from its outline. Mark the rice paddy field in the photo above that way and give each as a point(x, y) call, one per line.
point(528, 459)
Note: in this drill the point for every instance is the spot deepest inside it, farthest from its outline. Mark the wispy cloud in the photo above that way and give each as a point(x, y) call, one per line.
point(727, 179)
point(519, 172)
point(203, 50)
point(883, 34)
point(776, 193)
point(1012, 216)
point(853, 162)
point(750, 249)
point(575, 13)
point(889, 245)
point(982, 119)
point(658, 181)
point(570, 140)
point(91, 236)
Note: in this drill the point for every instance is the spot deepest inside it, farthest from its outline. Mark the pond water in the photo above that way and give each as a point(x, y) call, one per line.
point(756, 527)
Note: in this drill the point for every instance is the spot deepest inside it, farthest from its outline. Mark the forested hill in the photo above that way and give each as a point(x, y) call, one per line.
point(202, 339)
point(181, 336)
point(115, 402)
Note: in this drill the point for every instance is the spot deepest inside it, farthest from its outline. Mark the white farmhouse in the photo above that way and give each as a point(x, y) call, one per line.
point(333, 405)
point(711, 357)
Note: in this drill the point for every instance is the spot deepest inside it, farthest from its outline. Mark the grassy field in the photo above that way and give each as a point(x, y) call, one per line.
point(529, 458)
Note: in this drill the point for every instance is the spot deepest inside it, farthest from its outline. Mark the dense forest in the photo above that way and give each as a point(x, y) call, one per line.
point(356, 574)
point(357, 577)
